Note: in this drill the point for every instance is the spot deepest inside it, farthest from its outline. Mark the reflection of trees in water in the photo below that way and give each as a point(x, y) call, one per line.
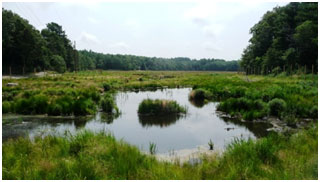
point(259, 129)
point(108, 118)
point(162, 121)
point(199, 103)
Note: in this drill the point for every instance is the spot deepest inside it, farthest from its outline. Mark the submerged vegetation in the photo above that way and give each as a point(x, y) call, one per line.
point(99, 156)
point(160, 107)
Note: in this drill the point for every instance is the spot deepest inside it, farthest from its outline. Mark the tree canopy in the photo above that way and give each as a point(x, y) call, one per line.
point(285, 37)
point(25, 49)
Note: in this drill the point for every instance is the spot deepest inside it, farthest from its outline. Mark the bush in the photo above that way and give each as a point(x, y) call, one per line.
point(276, 107)
point(6, 107)
point(157, 107)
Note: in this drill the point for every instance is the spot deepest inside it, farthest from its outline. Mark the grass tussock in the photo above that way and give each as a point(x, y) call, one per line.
point(160, 107)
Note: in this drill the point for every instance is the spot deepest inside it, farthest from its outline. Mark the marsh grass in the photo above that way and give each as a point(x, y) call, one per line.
point(160, 107)
point(100, 156)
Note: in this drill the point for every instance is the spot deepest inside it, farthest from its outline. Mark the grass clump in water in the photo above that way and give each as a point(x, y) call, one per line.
point(158, 107)
point(108, 104)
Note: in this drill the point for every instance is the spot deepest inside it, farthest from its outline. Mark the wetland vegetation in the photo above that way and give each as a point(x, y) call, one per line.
point(259, 121)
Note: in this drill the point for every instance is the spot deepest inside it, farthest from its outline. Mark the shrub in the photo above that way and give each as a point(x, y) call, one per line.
point(156, 107)
point(6, 107)
point(276, 107)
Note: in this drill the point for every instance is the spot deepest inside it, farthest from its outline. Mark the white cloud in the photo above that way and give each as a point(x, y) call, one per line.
point(211, 47)
point(120, 45)
point(93, 20)
point(213, 30)
point(213, 17)
point(88, 38)
point(133, 24)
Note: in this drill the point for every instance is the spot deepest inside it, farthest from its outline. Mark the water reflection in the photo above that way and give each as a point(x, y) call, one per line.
point(199, 103)
point(162, 121)
point(173, 132)
point(108, 118)
point(257, 128)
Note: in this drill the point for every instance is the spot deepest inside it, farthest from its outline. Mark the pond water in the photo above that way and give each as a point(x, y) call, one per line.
point(169, 133)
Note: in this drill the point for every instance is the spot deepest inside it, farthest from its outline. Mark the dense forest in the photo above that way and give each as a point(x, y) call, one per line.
point(25, 50)
point(92, 60)
point(285, 39)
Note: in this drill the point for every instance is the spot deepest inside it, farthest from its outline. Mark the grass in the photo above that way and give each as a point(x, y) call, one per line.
point(88, 155)
point(160, 107)
point(99, 156)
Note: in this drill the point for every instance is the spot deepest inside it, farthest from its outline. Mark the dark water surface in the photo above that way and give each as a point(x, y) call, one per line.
point(201, 124)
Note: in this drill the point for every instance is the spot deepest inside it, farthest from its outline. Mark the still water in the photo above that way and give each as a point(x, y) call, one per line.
point(169, 133)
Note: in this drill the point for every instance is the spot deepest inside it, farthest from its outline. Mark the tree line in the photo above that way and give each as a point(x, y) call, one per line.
point(93, 60)
point(26, 49)
point(285, 39)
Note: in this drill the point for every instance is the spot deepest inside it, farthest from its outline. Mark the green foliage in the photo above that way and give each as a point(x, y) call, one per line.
point(108, 104)
point(106, 87)
point(211, 144)
point(57, 63)
point(6, 107)
point(199, 94)
point(277, 106)
point(99, 156)
point(247, 108)
point(158, 107)
point(152, 148)
point(26, 49)
point(84, 106)
point(270, 49)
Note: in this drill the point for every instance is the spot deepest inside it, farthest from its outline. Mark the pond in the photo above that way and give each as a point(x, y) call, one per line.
point(169, 133)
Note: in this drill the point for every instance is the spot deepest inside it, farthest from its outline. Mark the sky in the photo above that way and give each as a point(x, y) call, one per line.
point(205, 29)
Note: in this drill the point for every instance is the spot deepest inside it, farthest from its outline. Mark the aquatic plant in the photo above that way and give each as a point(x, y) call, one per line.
point(199, 94)
point(211, 144)
point(158, 107)
point(88, 155)
point(108, 104)
point(152, 148)
point(84, 106)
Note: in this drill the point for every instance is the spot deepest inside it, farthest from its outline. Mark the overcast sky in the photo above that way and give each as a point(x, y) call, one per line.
point(160, 29)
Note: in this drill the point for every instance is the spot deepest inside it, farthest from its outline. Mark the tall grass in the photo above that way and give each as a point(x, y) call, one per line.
point(99, 156)
point(159, 107)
